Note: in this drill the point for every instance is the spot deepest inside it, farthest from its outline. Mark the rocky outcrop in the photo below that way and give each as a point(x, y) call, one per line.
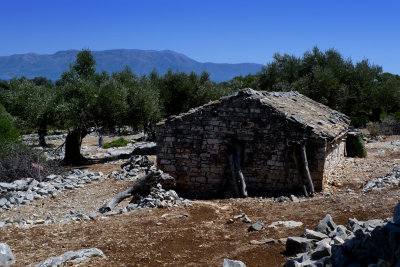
point(133, 169)
point(368, 243)
point(74, 257)
point(390, 179)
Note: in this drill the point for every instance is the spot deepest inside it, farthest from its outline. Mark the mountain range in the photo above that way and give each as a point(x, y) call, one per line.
point(141, 62)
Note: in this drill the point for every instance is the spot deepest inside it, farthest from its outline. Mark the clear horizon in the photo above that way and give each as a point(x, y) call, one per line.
point(206, 31)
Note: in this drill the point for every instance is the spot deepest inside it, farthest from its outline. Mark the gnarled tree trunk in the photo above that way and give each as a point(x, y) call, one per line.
point(42, 132)
point(73, 144)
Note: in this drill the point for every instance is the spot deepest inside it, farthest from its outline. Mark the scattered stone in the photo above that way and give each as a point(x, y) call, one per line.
point(133, 169)
point(326, 225)
point(145, 148)
point(246, 219)
point(3, 201)
point(7, 186)
point(41, 221)
point(93, 215)
point(259, 225)
point(159, 224)
point(289, 224)
point(6, 255)
point(310, 234)
point(323, 249)
point(71, 256)
point(23, 191)
point(262, 241)
point(239, 216)
point(282, 240)
point(281, 199)
point(294, 198)
point(337, 240)
point(298, 245)
point(233, 263)
point(390, 179)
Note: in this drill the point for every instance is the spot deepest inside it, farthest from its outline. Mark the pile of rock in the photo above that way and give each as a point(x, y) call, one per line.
point(158, 198)
point(21, 192)
point(369, 243)
point(145, 148)
point(133, 169)
point(285, 198)
point(390, 179)
point(72, 257)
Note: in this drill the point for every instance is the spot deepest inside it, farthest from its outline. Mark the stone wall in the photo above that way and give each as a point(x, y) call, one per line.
point(335, 156)
point(193, 147)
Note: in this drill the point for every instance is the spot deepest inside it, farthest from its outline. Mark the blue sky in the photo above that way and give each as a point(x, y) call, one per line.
point(207, 31)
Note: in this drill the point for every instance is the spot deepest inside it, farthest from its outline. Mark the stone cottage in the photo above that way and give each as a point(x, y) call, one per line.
point(256, 137)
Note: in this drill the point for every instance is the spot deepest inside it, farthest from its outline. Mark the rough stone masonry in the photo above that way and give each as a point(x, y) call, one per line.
point(268, 127)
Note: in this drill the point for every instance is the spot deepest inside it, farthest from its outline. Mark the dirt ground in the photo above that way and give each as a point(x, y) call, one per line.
point(197, 235)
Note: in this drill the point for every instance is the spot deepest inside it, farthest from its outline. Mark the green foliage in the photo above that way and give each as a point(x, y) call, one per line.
point(32, 105)
point(111, 103)
point(7, 133)
point(120, 142)
point(355, 147)
point(328, 78)
point(84, 65)
point(397, 115)
point(78, 92)
point(359, 121)
point(179, 91)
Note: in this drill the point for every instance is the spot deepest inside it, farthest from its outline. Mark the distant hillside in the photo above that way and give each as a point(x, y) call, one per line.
point(141, 62)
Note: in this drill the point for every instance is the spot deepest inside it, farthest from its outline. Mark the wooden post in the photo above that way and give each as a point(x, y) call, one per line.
point(234, 179)
point(300, 174)
point(306, 170)
point(243, 190)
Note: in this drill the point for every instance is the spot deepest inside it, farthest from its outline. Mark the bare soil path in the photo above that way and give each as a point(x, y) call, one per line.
point(197, 235)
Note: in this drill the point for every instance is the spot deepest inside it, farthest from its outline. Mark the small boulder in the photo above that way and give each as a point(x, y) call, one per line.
point(294, 198)
point(246, 219)
point(298, 244)
point(3, 201)
point(338, 240)
point(233, 263)
point(6, 255)
point(353, 225)
point(326, 225)
point(322, 250)
point(256, 226)
point(310, 234)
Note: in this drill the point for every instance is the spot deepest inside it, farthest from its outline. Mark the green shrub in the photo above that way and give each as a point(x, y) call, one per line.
point(355, 146)
point(397, 115)
point(7, 132)
point(120, 142)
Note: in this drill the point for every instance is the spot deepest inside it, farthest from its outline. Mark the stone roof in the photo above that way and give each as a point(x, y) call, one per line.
point(323, 121)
